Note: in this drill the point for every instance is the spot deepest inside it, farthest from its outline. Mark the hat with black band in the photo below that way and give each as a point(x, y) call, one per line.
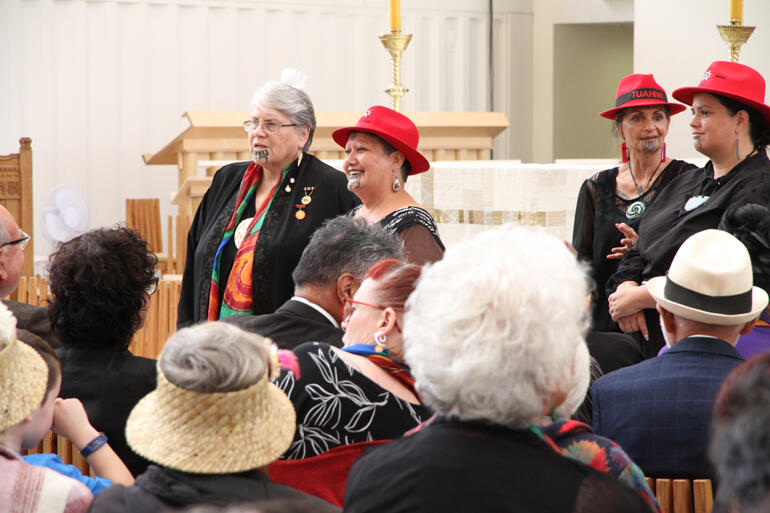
point(710, 281)
point(640, 90)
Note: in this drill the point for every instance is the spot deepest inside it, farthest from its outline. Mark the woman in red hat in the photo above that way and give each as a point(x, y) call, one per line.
point(730, 125)
point(611, 203)
point(381, 153)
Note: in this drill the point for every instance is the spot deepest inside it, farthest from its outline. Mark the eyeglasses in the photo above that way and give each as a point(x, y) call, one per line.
point(268, 126)
point(152, 287)
point(23, 241)
point(349, 306)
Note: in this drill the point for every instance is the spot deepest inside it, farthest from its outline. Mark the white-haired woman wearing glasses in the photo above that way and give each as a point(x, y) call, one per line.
point(487, 355)
point(257, 216)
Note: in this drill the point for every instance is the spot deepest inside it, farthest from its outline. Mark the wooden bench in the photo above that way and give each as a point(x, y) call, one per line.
point(683, 495)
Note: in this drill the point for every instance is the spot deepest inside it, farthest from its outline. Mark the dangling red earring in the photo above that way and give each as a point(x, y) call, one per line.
point(663, 153)
point(624, 152)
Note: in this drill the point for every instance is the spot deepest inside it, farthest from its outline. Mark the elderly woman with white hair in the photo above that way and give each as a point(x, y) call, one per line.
point(488, 355)
point(257, 216)
point(213, 420)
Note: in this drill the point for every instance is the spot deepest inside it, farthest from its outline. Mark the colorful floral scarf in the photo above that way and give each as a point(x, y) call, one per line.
point(237, 297)
point(383, 360)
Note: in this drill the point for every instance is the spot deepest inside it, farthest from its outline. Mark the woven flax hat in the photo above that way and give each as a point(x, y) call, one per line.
point(212, 433)
point(23, 374)
point(710, 280)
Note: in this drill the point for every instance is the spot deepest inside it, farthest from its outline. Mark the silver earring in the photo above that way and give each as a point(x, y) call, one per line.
point(396, 185)
point(737, 151)
point(380, 339)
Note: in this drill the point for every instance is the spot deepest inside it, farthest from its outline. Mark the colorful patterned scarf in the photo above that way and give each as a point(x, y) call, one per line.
point(383, 360)
point(237, 296)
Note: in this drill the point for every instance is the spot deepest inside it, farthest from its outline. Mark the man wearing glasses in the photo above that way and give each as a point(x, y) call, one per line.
point(12, 243)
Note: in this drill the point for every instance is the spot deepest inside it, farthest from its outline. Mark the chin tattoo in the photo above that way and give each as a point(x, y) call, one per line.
point(354, 182)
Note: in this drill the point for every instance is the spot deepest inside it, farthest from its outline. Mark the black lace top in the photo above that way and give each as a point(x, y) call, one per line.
point(599, 208)
point(416, 227)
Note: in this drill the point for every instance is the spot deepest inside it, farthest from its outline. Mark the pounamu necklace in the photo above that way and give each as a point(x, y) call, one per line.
point(636, 209)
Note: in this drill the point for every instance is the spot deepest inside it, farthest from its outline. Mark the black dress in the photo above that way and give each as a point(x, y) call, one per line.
point(337, 405)
point(419, 232)
point(671, 220)
point(599, 208)
point(470, 466)
point(282, 237)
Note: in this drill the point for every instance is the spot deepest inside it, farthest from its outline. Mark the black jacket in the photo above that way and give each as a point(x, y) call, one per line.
point(109, 382)
point(162, 489)
point(291, 325)
point(282, 236)
point(452, 466)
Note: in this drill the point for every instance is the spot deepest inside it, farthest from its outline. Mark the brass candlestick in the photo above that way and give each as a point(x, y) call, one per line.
point(735, 35)
point(395, 43)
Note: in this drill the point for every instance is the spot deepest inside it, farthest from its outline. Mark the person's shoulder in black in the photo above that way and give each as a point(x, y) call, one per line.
point(161, 489)
point(291, 325)
point(463, 466)
point(109, 383)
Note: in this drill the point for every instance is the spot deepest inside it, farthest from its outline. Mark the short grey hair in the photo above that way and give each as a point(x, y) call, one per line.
point(345, 244)
point(491, 330)
point(293, 103)
point(214, 357)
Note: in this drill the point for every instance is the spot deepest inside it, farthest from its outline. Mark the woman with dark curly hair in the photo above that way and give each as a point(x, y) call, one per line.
point(101, 283)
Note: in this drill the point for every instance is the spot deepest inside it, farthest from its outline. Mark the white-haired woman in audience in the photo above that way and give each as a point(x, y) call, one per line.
point(487, 355)
point(257, 216)
point(576, 439)
point(364, 391)
point(213, 420)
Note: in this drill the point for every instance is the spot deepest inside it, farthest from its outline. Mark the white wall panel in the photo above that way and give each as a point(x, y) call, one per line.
point(97, 83)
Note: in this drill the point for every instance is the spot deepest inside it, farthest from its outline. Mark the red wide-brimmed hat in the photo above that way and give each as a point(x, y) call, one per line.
point(733, 80)
point(640, 90)
point(393, 127)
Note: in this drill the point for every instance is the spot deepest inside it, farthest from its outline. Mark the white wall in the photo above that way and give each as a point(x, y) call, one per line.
point(589, 60)
point(679, 45)
point(97, 83)
point(547, 13)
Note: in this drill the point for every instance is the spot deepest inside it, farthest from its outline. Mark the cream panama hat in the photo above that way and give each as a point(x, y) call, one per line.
point(212, 433)
point(710, 281)
point(23, 374)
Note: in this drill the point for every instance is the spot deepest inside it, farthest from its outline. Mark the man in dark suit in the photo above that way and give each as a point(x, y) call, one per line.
point(659, 410)
point(330, 269)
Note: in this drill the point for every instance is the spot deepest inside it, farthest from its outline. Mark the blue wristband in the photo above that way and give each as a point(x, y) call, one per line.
point(94, 445)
